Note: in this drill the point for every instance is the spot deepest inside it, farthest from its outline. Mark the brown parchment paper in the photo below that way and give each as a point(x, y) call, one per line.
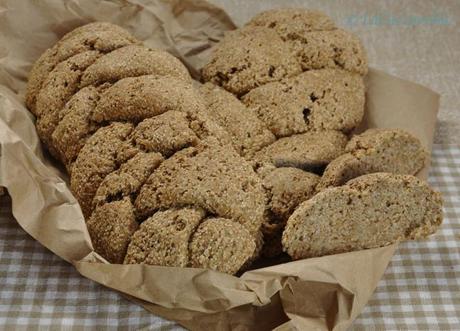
point(324, 293)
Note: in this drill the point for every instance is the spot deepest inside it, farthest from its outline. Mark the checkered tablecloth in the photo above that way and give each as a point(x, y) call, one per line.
point(419, 291)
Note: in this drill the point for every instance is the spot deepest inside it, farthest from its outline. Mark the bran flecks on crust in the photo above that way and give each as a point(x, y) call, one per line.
point(291, 23)
point(128, 179)
point(136, 98)
point(370, 211)
point(314, 39)
point(248, 133)
point(335, 49)
point(210, 176)
point(288, 187)
point(250, 57)
point(163, 239)
point(327, 99)
point(96, 160)
point(58, 88)
point(75, 125)
point(281, 43)
point(111, 226)
point(112, 147)
point(166, 133)
point(133, 61)
point(98, 36)
point(221, 244)
point(309, 151)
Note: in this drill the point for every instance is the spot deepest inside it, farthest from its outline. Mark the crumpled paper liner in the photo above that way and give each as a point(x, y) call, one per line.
point(324, 293)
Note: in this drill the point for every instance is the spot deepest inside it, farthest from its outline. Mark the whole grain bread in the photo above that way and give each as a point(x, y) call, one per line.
point(309, 151)
point(111, 227)
point(326, 99)
point(376, 150)
point(370, 211)
point(222, 245)
point(301, 77)
point(208, 173)
point(286, 188)
point(248, 133)
point(122, 117)
point(281, 43)
point(101, 37)
point(163, 239)
point(250, 57)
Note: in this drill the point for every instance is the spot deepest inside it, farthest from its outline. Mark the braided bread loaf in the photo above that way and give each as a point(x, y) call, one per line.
point(139, 146)
point(299, 77)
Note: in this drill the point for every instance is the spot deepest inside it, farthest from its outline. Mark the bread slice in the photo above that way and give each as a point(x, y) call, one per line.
point(376, 150)
point(370, 211)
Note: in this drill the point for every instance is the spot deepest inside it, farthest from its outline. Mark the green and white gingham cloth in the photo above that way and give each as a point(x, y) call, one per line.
point(419, 291)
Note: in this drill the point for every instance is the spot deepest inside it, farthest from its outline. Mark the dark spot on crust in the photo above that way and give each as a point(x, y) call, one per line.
point(306, 113)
